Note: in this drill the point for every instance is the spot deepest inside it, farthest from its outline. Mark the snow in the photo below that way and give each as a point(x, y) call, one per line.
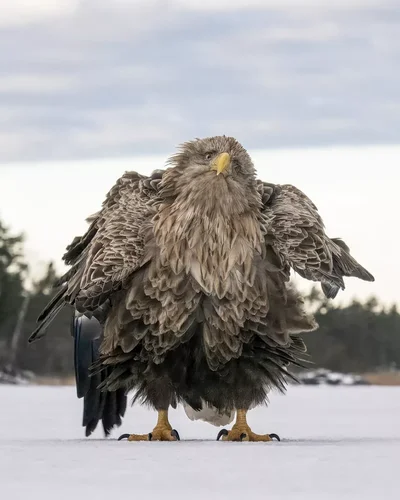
point(337, 443)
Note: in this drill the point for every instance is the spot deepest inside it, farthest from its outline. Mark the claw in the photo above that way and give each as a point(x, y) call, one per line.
point(245, 436)
point(272, 436)
point(123, 436)
point(222, 432)
point(150, 436)
point(175, 434)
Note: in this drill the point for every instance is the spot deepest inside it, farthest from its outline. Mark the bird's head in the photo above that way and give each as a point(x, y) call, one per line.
point(220, 156)
point(213, 167)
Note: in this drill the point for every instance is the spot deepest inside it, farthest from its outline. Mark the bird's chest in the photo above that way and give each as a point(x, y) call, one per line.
point(205, 271)
point(217, 256)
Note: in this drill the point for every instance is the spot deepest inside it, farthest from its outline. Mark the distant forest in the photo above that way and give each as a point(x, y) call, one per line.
point(358, 338)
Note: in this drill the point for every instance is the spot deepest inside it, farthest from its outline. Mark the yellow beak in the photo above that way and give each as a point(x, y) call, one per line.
point(221, 163)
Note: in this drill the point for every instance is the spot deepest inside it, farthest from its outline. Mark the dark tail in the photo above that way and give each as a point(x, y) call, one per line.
point(109, 407)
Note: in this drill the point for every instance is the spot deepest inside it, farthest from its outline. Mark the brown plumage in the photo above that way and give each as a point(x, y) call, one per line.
point(188, 272)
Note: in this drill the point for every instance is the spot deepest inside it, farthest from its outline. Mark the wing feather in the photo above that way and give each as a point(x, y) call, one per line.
point(109, 252)
point(295, 231)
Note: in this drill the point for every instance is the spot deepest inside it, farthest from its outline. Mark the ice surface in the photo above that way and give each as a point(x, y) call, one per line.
point(338, 443)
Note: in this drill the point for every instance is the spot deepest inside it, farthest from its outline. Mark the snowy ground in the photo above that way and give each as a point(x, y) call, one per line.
point(337, 443)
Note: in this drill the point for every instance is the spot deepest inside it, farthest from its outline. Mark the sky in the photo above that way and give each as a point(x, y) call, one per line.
point(91, 88)
point(100, 78)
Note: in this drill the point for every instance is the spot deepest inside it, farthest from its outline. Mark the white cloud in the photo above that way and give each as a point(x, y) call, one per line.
point(101, 78)
point(31, 83)
point(309, 32)
point(20, 143)
point(19, 12)
point(114, 133)
point(298, 5)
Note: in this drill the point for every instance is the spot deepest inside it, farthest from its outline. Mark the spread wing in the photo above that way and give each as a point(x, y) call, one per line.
point(108, 253)
point(296, 233)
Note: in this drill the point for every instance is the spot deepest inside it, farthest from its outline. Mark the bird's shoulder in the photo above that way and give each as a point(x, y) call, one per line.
point(131, 192)
point(134, 185)
point(288, 193)
point(128, 199)
point(287, 201)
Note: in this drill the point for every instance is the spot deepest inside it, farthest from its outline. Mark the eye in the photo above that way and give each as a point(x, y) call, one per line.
point(236, 165)
point(209, 155)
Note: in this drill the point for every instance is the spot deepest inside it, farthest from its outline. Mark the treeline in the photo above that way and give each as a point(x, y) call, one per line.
point(360, 337)
point(20, 306)
point(357, 338)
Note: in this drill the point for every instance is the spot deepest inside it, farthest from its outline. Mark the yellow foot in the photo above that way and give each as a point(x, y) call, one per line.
point(161, 432)
point(242, 432)
point(158, 434)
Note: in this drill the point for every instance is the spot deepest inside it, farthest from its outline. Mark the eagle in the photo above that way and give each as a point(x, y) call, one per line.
point(184, 280)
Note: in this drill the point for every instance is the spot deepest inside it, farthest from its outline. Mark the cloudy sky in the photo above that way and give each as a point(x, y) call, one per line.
point(91, 88)
point(96, 78)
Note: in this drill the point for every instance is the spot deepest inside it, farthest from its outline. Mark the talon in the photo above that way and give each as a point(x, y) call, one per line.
point(272, 436)
point(174, 433)
point(123, 436)
point(241, 431)
point(161, 432)
point(222, 432)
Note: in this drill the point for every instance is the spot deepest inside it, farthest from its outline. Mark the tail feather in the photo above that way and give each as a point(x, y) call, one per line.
point(105, 406)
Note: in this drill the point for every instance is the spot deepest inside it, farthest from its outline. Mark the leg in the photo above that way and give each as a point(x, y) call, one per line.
point(161, 432)
point(242, 432)
point(157, 392)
